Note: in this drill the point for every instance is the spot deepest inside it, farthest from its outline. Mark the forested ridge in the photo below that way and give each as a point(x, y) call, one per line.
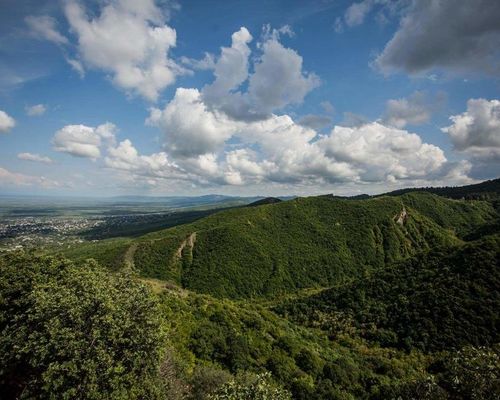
point(305, 242)
point(390, 297)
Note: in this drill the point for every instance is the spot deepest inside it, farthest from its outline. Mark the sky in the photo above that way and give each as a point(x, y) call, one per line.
point(276, 97)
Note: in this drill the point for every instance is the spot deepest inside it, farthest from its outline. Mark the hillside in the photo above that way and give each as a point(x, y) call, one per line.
point(69, 327)
point(305, 242)
point(445, 298)
point(213, 335)
point(371, 338)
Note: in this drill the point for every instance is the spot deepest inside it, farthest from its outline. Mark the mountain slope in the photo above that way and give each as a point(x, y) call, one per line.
point(306, 242)
point(267, 200)
point(243, 336)
point(442, 299)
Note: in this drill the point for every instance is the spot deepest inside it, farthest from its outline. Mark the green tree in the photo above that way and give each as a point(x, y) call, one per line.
point(76, 332)
point(259, 388)
point(473, 373)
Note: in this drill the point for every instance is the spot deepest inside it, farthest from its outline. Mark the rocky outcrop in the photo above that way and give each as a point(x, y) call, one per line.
point(401, 217)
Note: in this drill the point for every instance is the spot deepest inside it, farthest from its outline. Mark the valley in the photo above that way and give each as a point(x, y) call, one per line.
point(44, 222)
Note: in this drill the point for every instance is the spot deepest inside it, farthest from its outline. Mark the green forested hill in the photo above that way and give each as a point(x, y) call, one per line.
point(305, 242)
point(487, 190)
point(444, 298)
point(243, 336)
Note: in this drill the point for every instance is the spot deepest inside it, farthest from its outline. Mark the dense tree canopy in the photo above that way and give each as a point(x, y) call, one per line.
point(76, 332)
point(446, 298)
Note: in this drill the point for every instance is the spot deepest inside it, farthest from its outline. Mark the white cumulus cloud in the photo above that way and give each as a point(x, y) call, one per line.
point(130, 41)
point(276, 81)
point(381, 153)
point(6, 122)
point(189, 127)
point(477, 130)
point(230, 71)
point(84, 141)
point(125, 157)
point(413, 110)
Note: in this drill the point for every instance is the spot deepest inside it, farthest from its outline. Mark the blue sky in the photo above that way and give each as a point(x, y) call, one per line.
point(106, 97)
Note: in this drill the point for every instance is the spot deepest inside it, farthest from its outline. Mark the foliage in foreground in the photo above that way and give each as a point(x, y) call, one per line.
point(472, 373)
point(245, 337)
point(213, 335)
point(72, 331)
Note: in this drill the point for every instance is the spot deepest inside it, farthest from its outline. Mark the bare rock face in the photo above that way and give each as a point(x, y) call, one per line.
point(401, 217)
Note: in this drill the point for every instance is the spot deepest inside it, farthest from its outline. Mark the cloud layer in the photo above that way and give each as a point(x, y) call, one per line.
point(45, 27)
point(9, 178)
point(279, 151)
point(241, 128)
point(224, 135)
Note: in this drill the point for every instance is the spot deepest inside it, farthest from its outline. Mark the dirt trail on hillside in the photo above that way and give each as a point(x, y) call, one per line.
point(128, 258)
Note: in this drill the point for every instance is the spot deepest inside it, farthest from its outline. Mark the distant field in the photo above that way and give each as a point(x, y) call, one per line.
point(46, 222)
